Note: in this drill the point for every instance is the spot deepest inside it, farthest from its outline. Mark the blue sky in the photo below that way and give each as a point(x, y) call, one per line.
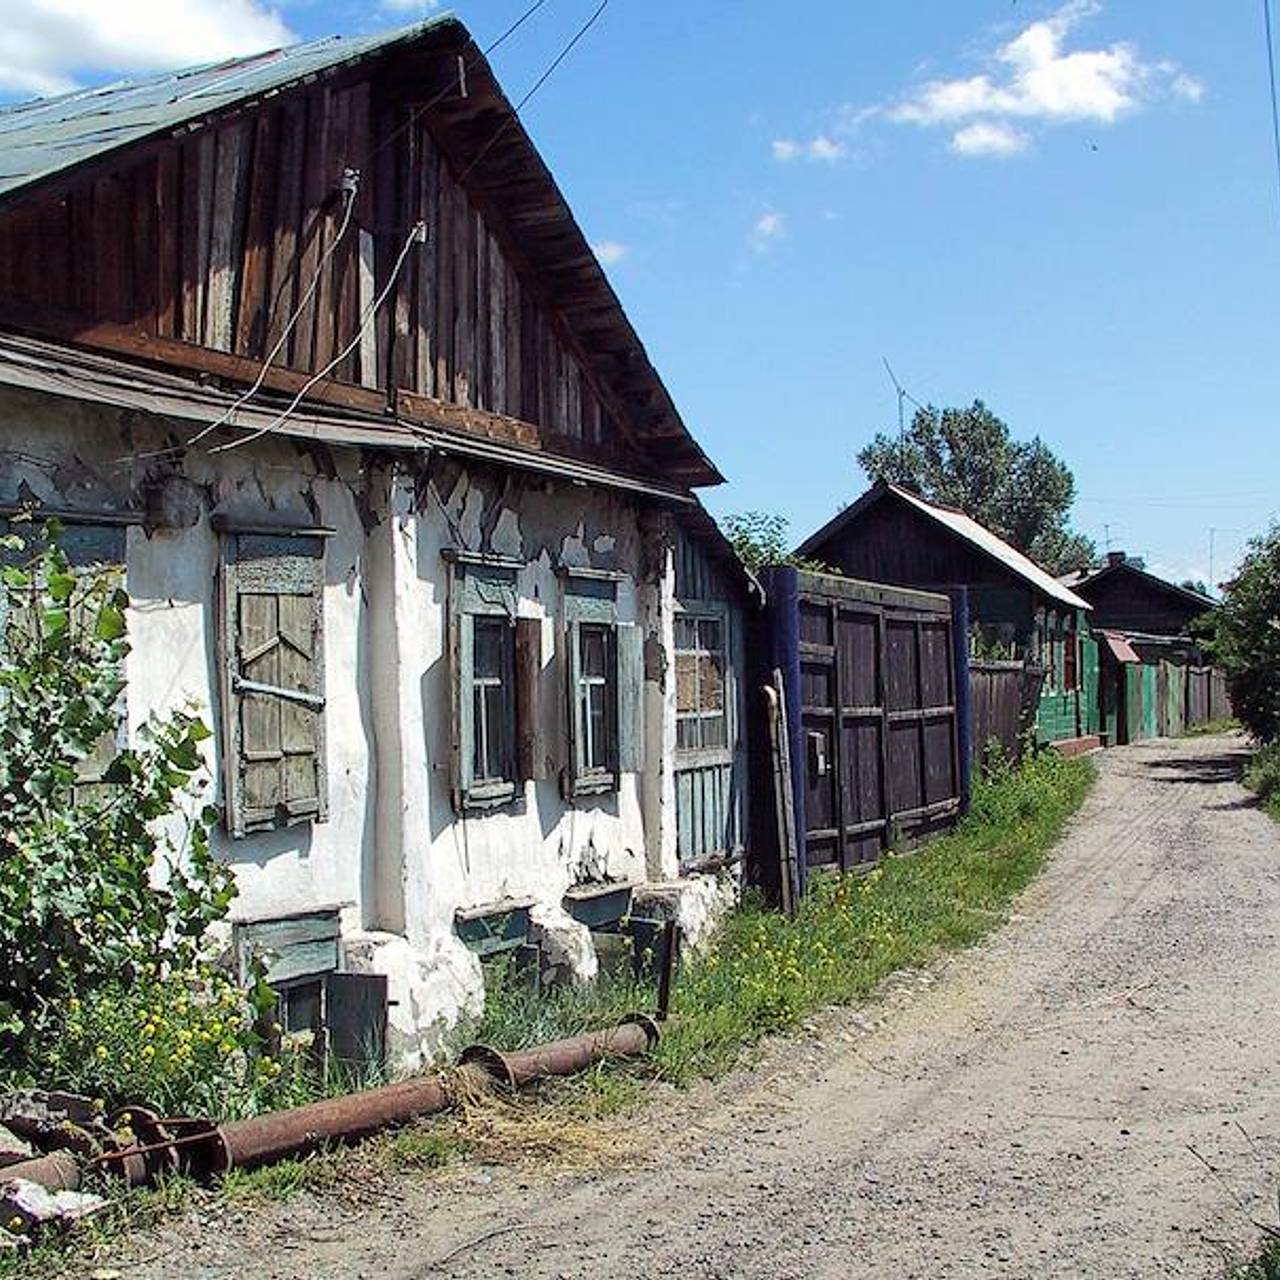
point(1068, 211)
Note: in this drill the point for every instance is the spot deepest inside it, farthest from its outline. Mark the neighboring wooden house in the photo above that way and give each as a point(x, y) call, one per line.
point(310, 346)
point(1129, 599)
point(1154, 680)
point(1016, 609)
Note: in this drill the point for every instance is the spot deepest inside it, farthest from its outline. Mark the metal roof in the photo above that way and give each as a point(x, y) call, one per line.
point(1118, 643)
point(47, 135)
point(962, 526)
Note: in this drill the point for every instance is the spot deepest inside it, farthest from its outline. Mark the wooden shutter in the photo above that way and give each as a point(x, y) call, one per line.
point(530, 757)
point(630, 651)
point(273, 624)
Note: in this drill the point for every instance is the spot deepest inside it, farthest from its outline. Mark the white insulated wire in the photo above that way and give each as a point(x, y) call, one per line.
point(417, 233)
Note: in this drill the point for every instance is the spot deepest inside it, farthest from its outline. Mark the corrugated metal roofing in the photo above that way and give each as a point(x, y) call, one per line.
point(44, 136)
point(982, 538)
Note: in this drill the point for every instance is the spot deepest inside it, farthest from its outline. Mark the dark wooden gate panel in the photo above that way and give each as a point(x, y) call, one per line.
point(876, 716)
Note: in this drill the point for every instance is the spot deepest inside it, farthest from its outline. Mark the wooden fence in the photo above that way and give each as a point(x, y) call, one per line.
point(869, 688)
point(1003, 700)
point(1206, 696)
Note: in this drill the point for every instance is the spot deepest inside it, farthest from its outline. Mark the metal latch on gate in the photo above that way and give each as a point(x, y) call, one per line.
point(818, 763)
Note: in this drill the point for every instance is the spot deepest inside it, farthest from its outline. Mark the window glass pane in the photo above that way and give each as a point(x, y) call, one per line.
point(597, 711)
point(594, 651)
point(487, 660)
point(495, 734)
point(714, 732)
point(711, 682)
point(687, 728)
point(709, 634)
point(686, 682)
point(686, 632)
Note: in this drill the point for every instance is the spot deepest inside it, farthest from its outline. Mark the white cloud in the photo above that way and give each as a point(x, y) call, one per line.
point(408, 6)
point(820, 148)
point(46, 46)
point(768, 227)
point(610, 251)
point(1035, 80)
point(989, 138)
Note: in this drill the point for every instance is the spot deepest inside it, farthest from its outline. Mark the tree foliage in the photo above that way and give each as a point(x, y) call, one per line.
point(100, 885)
point(966, 458)
point(761, 538)
point(1244, 637)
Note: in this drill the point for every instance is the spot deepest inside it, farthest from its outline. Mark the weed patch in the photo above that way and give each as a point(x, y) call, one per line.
point(1262, 774)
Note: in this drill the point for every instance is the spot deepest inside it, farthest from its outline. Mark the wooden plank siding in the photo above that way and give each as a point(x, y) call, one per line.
point(215, 239)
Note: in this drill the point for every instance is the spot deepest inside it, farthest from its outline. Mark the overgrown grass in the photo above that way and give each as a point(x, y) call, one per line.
point(1211, 728)
point(1262, 774)
point(766, 972)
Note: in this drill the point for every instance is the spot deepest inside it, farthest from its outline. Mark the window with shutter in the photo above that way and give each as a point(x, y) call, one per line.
point(604, 682)
point(272, 640)
point(495, 660)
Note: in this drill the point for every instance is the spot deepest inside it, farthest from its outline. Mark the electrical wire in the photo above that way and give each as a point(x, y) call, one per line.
point(1271, 72)
point(349, 196)
point(416, 234)
point(418, 112)
point(537, 84)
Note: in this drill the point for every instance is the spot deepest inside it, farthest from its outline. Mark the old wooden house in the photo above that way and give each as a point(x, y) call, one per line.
point(1015, 609)
point(1154, 678)
point(310, 346)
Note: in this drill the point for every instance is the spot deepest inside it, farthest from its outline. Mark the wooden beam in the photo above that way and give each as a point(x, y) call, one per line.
point(181, 357)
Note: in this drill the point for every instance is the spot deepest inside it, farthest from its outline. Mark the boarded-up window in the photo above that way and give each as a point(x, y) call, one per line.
point(272, 641)
point(701, 722)
point(605, 678)
point(497, 665)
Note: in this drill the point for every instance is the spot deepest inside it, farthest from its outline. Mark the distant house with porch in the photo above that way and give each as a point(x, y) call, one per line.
point(1016, 610)
point(1154, 679)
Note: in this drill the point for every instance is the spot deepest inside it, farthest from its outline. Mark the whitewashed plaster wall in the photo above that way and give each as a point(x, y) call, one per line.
point(394, 854)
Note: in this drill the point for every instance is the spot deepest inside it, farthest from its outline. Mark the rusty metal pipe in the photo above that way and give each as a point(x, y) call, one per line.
point(205, 1149)
point(633, 1037)
point(58, 1171)
point(246, 1144)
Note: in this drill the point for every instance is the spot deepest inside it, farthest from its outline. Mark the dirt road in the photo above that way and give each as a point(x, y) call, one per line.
point(1046, 1105)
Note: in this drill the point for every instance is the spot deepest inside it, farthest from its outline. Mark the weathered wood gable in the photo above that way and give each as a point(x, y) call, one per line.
point(214, 235)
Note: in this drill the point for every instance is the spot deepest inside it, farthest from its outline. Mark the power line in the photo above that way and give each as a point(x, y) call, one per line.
point(418, 234)
point(418, 112)
point(537, 84)
point(1271, 73)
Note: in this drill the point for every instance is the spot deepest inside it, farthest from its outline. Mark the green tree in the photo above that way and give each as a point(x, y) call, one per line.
point(761, 538)
point(966, 458)
point(100, 885)
point(1244, 637)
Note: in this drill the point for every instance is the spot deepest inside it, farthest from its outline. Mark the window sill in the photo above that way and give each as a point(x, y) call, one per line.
point(595, 784)
point(493, 795)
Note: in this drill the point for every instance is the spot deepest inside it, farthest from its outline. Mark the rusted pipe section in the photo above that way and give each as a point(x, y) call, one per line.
point(58, 1171)
point(201, 1148)
point(246, 1144)
point(636, 1035)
